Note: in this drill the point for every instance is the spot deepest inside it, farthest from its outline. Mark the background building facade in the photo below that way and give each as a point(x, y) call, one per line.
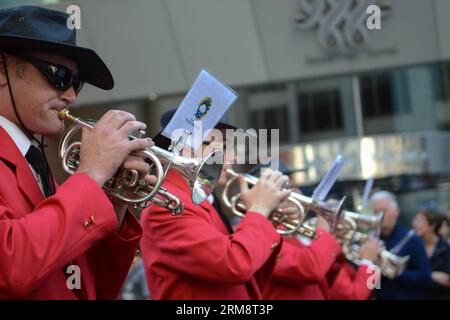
point(379, 97)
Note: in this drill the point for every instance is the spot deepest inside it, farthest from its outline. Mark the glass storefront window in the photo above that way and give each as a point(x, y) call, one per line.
point(443, 96)
point(414, 98)
point(321, 110)
point(275, 117)
point(325, 109)
point(384, 94)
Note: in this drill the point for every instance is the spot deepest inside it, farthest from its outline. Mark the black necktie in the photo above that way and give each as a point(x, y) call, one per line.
point(37, 160)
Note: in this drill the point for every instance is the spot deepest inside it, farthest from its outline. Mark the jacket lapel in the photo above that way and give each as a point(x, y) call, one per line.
point(25, 178)
point(177, 180)
point(27, 183)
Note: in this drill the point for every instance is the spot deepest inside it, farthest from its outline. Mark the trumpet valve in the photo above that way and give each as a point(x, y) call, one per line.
point(129, 178)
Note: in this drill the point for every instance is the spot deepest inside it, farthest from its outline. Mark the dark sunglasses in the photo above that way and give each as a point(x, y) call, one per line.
point(60, 77)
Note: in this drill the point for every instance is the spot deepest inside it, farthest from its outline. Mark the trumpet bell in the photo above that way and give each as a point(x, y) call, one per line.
point(201, 175)
point(352, 224)
point(332, 212)
point(392, 265)
point(368, 223)
point(206, 177)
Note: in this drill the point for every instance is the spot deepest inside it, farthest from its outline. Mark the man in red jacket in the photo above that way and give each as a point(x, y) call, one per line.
point(302, 267)
point(195, 256)
point(355, 283)
point(70, 242)
point(318, 271)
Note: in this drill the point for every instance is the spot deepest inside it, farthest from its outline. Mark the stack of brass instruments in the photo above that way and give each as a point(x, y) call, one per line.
point(351, 224)
point(127, 186)
point(354, 229)
point(283, 225)
point(351, 240)
point(390, 265)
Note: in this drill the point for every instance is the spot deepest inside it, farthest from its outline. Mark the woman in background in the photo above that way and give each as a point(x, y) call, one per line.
point(444, 230)
point(427, 224)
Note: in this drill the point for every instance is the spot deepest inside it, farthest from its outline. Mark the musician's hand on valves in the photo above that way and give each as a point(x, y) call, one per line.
point(136, 162)
point(289, 209)
point(133, 162)
point(266, 195)
point(370, 249)
point(323, 223)
point(105, 147)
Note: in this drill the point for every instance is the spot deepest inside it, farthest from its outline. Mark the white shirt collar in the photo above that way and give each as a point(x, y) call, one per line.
point(20, 139)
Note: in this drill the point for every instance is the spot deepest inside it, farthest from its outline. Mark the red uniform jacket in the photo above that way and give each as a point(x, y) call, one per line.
point(300, 271)
point(39, 237)
point(192, 255)
point(350, 283)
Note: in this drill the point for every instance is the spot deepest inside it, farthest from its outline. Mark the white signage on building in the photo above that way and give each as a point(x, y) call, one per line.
point(343, 26)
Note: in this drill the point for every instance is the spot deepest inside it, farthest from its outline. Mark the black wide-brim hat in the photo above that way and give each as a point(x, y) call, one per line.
point(32, 28)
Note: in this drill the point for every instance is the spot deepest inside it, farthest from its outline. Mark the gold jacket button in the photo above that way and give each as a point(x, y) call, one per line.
point(273, 246)
point(86, 224)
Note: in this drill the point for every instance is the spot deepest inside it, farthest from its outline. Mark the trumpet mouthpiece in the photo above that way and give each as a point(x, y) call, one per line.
point(64, 114)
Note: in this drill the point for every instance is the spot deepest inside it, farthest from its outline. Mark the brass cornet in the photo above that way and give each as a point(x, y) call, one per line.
point(284, 226)
point(351, 239)
point(350, 222)
point(354, 229)
point(390, 264)
point(126, 184)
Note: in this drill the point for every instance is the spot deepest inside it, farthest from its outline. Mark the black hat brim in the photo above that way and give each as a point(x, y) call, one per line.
point(224, 125)
point(91, 67)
